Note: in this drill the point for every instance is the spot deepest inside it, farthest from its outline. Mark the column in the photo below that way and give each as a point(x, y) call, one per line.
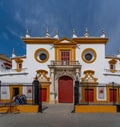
point(77, 73)
point(52, 86)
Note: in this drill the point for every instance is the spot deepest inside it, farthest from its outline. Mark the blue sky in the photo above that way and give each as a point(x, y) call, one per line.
point(37, 15)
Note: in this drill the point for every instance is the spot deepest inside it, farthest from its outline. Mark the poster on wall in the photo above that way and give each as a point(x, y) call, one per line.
point(29, 92)
point(101, 93)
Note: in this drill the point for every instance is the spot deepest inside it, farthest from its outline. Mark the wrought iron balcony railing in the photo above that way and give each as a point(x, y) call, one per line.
point(12, 71)
point(111, 72)
point(65, 63)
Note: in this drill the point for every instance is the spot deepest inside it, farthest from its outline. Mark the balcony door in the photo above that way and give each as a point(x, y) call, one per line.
point(65, 57)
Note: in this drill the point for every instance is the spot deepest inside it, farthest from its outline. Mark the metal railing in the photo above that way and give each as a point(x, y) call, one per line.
point(13, 95)
point(12, 70)
point(108, 70)
point(65, 63)
point(100, 94)
point(6, 93)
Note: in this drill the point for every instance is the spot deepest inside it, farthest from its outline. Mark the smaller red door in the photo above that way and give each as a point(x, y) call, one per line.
point(113, 94)
point(89, 95)
point(43, 95)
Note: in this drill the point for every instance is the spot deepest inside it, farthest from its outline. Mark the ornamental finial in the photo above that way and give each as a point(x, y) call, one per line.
point(86, 33)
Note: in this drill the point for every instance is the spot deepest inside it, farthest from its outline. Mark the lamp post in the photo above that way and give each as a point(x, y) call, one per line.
point(76, 92)
point(87, 92)
point(0, 90)
point(37, 94)
point(113, 93)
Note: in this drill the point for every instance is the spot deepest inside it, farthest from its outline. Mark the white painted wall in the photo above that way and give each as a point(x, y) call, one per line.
point(32, 65)
point(97, 65)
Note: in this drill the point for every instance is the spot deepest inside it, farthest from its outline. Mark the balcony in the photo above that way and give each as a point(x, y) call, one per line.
point(109, 72)
point(64, 64)
point(13, 72)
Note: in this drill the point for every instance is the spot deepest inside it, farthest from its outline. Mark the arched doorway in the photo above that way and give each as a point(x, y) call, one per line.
point(65, 89)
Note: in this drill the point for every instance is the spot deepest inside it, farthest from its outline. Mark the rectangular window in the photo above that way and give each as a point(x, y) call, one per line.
point(65, 57)
point(16, 91)
point(112, 66)
point(20, 66)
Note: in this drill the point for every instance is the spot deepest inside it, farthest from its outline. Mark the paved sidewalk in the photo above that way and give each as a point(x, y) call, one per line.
point(59, 115)
point(58, 108)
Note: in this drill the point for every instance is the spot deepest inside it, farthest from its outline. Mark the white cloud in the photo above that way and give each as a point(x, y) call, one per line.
point(18, 17)
point(31, 21)
point(12, 31)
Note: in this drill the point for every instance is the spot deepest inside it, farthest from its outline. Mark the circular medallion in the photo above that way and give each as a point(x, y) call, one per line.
point(41, 55)
point(89, 55)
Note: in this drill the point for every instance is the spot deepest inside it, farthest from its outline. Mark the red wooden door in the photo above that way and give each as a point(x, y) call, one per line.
point(65, 90)
point(43, 95)
point(89, 95)
point(65, 57)
point(113, 94)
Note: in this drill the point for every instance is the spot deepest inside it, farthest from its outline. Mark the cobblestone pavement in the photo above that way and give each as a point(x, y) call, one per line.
point(59, 115)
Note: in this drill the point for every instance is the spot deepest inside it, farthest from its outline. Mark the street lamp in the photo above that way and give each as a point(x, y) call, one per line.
point(0, 90)
point(76, 92)
point(37, 94)
point(87, 92)
point(113, 93)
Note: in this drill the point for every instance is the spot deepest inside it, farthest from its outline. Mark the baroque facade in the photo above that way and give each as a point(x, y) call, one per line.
point(57, 63)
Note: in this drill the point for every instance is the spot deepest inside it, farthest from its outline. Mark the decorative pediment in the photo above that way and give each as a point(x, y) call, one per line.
point(113, 61)
point(42, 76)
point(65, 41)
point(18, 60)
point(89, 77)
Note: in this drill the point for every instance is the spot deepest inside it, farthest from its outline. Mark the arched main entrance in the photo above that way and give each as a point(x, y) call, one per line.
point(65, 89)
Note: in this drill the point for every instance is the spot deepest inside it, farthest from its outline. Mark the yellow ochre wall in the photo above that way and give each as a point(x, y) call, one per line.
point(95, 108)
